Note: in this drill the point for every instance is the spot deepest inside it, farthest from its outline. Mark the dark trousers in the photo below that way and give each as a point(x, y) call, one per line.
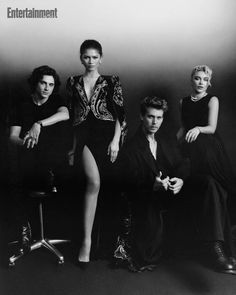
point(146, 230)
point(202, 196)
point(208, 199)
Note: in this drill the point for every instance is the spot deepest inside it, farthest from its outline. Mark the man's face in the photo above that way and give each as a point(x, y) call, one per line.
point(45, 87)
point(152, 120)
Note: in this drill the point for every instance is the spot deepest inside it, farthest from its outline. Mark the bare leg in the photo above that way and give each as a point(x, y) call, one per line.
point(90, 202)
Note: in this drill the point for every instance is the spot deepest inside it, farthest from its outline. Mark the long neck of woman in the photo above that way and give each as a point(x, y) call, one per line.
point(91, 74)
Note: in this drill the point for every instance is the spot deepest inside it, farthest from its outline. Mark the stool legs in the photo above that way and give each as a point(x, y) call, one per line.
point(42, 242)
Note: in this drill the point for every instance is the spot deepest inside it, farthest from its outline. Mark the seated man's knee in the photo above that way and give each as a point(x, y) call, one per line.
point(202, 181)
point(210, 188)
point(198, 185)
point(208, 180)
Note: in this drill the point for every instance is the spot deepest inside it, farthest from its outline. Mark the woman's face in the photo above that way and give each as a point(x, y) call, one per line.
point(200, 82)
point(91, 59)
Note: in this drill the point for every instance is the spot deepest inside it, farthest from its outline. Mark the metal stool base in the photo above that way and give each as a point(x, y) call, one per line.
point(42, 243)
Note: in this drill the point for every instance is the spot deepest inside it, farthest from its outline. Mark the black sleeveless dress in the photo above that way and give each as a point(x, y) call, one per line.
point(207, 153)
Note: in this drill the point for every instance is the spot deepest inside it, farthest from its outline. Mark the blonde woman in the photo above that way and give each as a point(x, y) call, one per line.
point(203, 146)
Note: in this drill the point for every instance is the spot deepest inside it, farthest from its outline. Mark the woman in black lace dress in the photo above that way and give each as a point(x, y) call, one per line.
point(99, 127)
point(203, 146)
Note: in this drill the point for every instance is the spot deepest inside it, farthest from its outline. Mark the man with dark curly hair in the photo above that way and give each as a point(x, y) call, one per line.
point(36, 131)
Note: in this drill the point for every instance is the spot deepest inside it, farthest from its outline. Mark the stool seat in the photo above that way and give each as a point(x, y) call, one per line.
point(42, 194)
point(43, 241)
point(38, 194)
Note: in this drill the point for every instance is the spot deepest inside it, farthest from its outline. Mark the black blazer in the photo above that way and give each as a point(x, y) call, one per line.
point(138, 168)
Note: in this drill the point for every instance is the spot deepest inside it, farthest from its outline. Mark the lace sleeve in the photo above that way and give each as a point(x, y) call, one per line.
point(118, 104)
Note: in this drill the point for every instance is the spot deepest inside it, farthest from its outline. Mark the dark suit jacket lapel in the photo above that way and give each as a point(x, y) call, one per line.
point(143, 146)
point(164, 151)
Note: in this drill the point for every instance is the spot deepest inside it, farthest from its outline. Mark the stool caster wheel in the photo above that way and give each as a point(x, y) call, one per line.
point(61, 261)
point(11, 264)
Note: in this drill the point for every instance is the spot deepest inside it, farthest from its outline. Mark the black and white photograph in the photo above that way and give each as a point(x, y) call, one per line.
point(117, 147)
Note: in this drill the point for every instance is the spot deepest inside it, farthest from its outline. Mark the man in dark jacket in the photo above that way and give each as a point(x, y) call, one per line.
point(154, 175)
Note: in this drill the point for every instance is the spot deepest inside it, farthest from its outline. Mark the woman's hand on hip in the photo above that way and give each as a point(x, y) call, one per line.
point(113, 150)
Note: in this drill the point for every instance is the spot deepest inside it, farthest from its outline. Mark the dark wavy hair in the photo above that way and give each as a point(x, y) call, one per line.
point(153, 102)
point(38, 74)
point(90, 43)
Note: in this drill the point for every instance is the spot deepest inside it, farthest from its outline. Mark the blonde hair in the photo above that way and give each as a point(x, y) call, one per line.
point(203, 68)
